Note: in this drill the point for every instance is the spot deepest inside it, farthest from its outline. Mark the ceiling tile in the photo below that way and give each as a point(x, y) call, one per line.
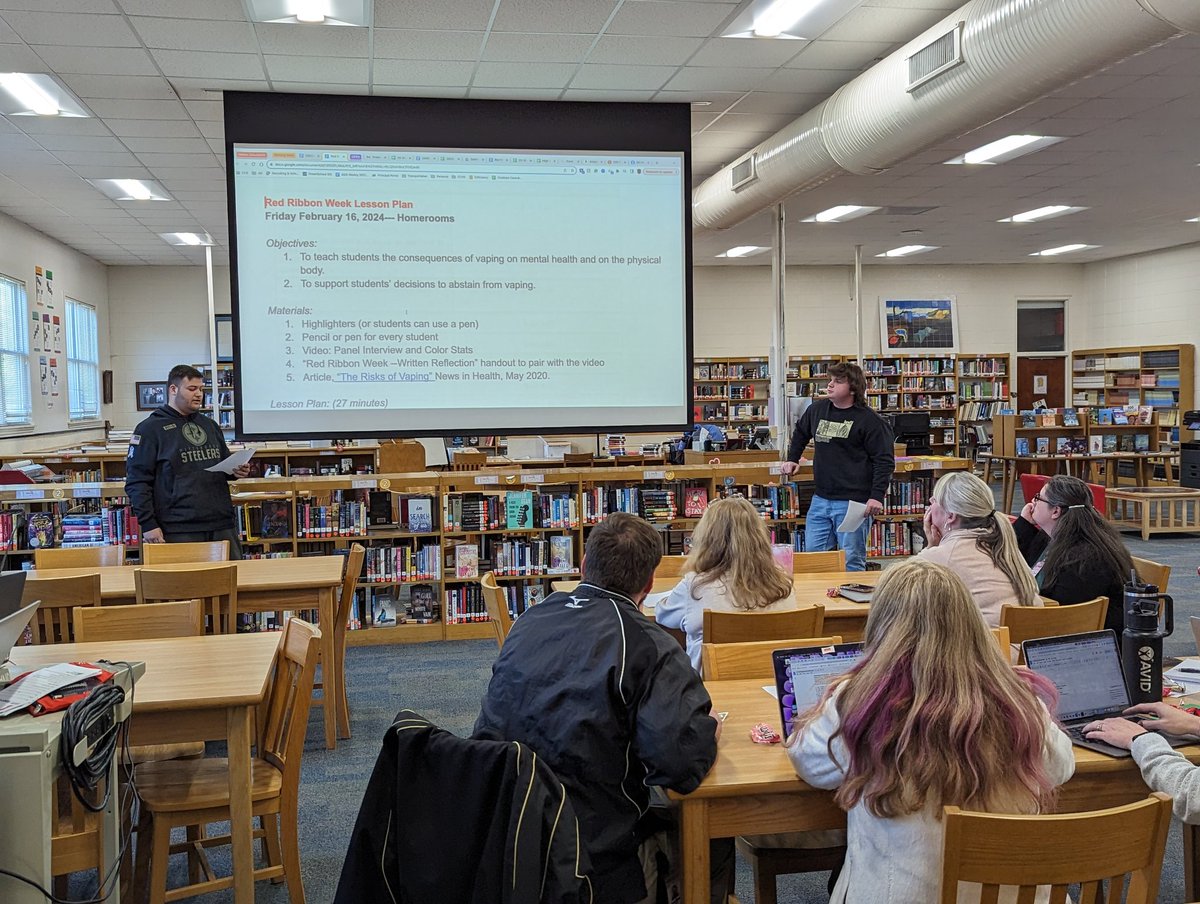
point(211, 129)
point(746, 52)
point(628, 78)
point(213, 110)
point(413, 44)
point(696, 78)
point(94, 158)
point(715, 101)
point(825, 54)
point(887, 26)
point(186, 9)
point(326, 42)
point(588, 94)
point(97, 143)
point(211, 88)
point(775, 102)
point(631, 50)
point(750, 122)
point(178, 160)
point(98, 60)
point(808, 81)
point(7, 35)
point(185, 34)
point(421, 72)
point(91, 171)
point(678, 18)
point(512, 47)
point(421, 91)
point(58, 125)
point(143, 87)
point(330, 71)
point(318, 88)
point(523, 75)
point(205, 63)
point(167, 145)
point(576, 17)
point(19, 58)
point(72, 29)
point(514, 94)
point(144, 109)
point(152, 128)
point(461, 15)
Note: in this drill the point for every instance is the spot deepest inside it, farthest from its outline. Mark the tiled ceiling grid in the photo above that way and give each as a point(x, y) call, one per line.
point(152, 70)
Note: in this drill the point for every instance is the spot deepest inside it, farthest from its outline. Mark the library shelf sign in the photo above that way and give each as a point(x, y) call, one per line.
point(919, 325)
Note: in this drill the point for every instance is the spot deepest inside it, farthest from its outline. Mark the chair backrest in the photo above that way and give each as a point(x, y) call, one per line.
point(740, 627)
point(731, 661)
point(827, 560)
point(1030, 622)
point(286, 720)
point(1004, 640)
point(497, 607)
point(177, 553)
point(78, 557)
point(99, 623)
point(354, 563)
point(214, 585)
point(670, 567)
point(1031, 484)
point(1058, 850)
point(1152, 572)
point(467, 460)
point(57, 597)
point(564, 586)
point(583, 459)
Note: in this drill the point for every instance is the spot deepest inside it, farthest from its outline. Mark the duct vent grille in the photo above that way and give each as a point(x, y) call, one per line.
point(743, 173)
point(940, 55)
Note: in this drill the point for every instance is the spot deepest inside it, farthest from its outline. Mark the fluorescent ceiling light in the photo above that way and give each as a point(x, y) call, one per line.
point(781, 15)
point(1005, 149)
point(38, 94)
point(1042, 213)
point(794, 20)
point(191, 239)
point(132, 189)
point(906, 250)
point(1062, 249)
point(840, 214)
point(744, 251)
point(1192, 220)
point(310, 12)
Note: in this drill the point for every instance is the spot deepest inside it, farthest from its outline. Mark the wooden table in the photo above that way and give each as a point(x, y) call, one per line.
point(264, 585)
point(1155, 510)
point(753, 789)
point(194, 689)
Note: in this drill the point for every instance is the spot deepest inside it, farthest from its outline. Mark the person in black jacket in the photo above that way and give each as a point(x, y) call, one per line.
point(853, 460)
point(173, 497)
point(1075, 553)
point(610, 701)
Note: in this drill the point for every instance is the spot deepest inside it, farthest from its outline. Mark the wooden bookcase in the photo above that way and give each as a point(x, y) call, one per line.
point(218, 398)
point(734, 393)
point(911, 383)
point(1162, 376)
point(807, 375)
point(983, 389)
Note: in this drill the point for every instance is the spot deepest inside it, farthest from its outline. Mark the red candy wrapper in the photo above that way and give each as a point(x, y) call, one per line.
point(762, 733)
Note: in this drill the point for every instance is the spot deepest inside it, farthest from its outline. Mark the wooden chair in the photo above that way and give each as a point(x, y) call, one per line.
point(215, 586)
point(176, 553)
point(731, 661)
point(670, 567)
point(1057, 850)
point(1030, 622)
point(196, 792)
point(181, 619)
point(78, 557)
point(564, 586)
point(578, 459)
point(827, 560)
point(57, 598)
point(740, 627)
point(1153, 572)
point(1004, 641)
point(497, 607)
point(341, 616)
point(467, 460)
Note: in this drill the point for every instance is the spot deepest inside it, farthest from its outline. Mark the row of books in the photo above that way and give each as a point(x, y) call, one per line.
point(702, 391)
point(915, 366)
point(464, 605)
point(391, 564)
point(809, 370)
point(519, 597)
point(385, 608)
point(1111, 362)
point(908, 497)
point(890, 538)
point(512, 510)
point(521, 558)
point(655, 505)
point(1096, 444)
point(1102, 417)
point(979, 411)
point(337, 519)
point(786, 500)
point(985, 368)
point(745, 391)
point(107, 525)
point(927, 384)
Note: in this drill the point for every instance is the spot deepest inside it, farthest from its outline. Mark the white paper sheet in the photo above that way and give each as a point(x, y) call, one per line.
point(239, 458)
point(653, 599)
point(20, 695)
point(855, 513)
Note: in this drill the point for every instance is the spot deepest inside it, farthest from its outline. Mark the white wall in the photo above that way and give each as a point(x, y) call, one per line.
point(78, 277)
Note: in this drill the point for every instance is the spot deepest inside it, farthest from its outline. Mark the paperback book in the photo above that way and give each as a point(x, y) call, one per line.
point(1043, 445)
point(1023, 446)
point(1070, 417)
point(1095, 444)
point(518, 509)
point(695, 501)
point(562, 555)
point(466, 560)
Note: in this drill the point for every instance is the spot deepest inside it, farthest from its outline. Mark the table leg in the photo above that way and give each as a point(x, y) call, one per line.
point(1191, 851)
point(241, 728)
point(694, 840)
point(1008, 482)
point(330, 677)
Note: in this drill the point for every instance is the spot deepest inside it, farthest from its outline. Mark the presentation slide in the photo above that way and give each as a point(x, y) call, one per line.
point(404, 290)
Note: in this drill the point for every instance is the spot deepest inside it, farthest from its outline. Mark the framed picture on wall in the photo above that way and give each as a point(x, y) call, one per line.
point(918, 325)
point(150, 395)
point(224, 328)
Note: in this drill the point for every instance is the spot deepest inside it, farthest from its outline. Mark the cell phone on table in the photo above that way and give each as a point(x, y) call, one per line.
point(858, 588)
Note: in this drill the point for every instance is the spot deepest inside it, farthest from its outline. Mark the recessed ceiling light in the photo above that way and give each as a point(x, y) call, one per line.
point(1062, 249)
point(1005, 149)
point(787, 19)
point(131, 189)
point(744, 251)
point(311, 12)
point(840, 214)
point(191, 239)
point(781, 15)
point(1042, 213)
point(1192, 220)
point(906, 250)
point(38, 94)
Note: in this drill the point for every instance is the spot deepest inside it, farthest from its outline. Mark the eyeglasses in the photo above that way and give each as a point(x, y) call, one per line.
point(1037, 497)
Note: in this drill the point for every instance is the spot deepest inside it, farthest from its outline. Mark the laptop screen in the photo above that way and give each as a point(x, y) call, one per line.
point(803, 673)
point(1086, 669)
point(12, 589)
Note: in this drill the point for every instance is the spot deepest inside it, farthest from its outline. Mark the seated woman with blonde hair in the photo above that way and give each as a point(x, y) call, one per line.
point(730, 569)
point(967, 535)
point(930, 716)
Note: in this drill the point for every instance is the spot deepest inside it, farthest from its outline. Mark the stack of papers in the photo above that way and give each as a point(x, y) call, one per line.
point(20, 695)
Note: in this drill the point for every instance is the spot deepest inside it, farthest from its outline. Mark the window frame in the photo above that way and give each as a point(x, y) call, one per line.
point(81, 365)
point(21, 315)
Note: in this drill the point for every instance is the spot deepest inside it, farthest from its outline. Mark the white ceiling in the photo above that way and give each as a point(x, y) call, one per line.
point(152, 70)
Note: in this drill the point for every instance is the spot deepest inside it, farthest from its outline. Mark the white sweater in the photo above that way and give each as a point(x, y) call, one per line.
point(898, 860)
point(988, 584)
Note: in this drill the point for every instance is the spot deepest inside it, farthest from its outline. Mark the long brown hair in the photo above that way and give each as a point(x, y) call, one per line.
point(1083, 542)
point(731, 544)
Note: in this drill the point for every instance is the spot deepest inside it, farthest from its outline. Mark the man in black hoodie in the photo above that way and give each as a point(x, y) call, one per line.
point(174, 498)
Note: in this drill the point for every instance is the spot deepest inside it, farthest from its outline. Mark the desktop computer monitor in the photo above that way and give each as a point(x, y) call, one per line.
point(912, 429)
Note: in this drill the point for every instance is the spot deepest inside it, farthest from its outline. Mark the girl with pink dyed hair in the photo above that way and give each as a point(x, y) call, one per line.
point(932, 715)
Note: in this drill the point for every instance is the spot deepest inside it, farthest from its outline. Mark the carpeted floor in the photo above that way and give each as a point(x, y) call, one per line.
point(444, 682)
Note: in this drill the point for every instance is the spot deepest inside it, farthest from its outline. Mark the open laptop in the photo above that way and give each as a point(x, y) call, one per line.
point(1086, 669)
point(802, 674)
point(13, 616)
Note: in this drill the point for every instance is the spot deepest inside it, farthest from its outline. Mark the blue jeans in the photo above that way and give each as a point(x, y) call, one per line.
point(820, 532)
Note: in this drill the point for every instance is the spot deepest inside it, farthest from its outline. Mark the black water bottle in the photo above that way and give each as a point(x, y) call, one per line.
point(1149, 617)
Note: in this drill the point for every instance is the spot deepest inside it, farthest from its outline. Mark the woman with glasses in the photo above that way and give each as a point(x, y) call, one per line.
point(964, 532)
point(1076, 555)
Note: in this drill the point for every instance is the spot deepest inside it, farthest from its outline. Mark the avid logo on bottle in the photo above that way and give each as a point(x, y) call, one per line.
point(1145, 668)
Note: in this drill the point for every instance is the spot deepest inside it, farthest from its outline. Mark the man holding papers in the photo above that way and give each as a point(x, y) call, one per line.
point(174, 494)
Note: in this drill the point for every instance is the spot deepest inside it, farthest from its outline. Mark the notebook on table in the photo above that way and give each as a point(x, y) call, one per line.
point(1086, 669)
point(803, 673)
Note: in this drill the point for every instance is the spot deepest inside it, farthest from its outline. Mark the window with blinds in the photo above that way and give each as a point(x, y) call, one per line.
point(83, 362)
point(16, 403)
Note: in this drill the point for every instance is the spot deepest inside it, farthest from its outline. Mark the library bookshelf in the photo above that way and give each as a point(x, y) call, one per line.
point(917, 383)
point(529, 525)
point(734, 393)
point(1160, 376)
point(219, 394)
point(983, 390)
